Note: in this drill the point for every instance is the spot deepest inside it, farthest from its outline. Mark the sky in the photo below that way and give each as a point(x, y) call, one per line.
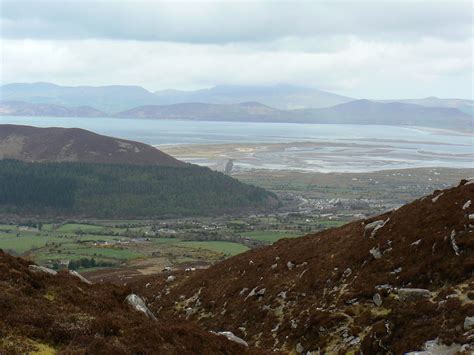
point(363, 49)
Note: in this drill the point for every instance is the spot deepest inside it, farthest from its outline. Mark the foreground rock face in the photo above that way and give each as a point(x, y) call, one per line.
point(47, 312)
point(344, 289)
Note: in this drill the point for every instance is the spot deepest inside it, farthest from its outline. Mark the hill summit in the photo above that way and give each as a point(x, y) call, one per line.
point(394, 283)
point(54, 144)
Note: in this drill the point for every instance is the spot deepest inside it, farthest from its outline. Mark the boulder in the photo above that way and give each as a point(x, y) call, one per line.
point(434, 199)
point(232, 337)
point(375, 252)
point(377, 299)
point(469, 323)
point(410, 294)
point(466, 205)
point(374, 226)
point(139, 305)
point(36, 268)
point(79, 276)
point(170, 278)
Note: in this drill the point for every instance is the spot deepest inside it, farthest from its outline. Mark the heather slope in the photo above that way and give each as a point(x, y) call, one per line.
point(33, 144)
point(42, 313)
point(345, 289)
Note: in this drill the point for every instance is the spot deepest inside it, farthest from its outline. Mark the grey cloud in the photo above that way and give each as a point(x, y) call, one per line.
point(219, 22)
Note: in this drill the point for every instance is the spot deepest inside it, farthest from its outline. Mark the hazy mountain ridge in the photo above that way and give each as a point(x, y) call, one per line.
point(466, 106)
point(112, 98)
point(391, 114)
point(250, 111)
point(21, 108)
point(234, 103)
point(283, 96)
point(362, 112)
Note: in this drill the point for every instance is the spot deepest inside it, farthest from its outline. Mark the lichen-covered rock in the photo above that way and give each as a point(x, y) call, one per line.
point(80, 277)
point(409, 294)
point(232, 337)
point(469, 323)
point(138, 304)
point(37, 268)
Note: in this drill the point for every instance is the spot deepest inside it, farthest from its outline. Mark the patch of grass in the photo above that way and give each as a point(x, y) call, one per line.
point(271, 236)
point(228, 248)
point(74, 227)
point(26, 242)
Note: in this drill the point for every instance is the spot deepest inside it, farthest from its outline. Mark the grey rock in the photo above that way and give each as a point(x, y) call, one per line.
point(189, 311)
point(454, 245)
point(375, 252)
point(290, 265)
point(139, 305)
point(36, 268)
point(299, 348)
point(407, 294)
point(468, 323)
point(377, 299)
point(80, 277)
point(396, 271)
point(417, 242)
point(232, 337)
point(373, 224)
point(466, 205)
point(347, 272)
point(170, 278)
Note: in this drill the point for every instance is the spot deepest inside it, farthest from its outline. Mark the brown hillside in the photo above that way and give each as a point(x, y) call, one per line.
point(344, 289)
point(42, 313)
point(34, 144)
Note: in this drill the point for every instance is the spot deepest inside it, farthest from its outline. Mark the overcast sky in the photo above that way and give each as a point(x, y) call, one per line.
point(378, 49)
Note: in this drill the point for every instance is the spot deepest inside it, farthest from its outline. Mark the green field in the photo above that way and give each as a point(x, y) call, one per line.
point(75, 227)
point(270, 236)
point(26, 241)
point(227, 248)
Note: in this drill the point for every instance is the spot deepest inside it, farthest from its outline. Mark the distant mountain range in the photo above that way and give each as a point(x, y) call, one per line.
point(110, 99)
point(355, 112)
point(284, 97)
point(22, 108)
point(232, 103)
point(33, 144)
point(466, 106)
